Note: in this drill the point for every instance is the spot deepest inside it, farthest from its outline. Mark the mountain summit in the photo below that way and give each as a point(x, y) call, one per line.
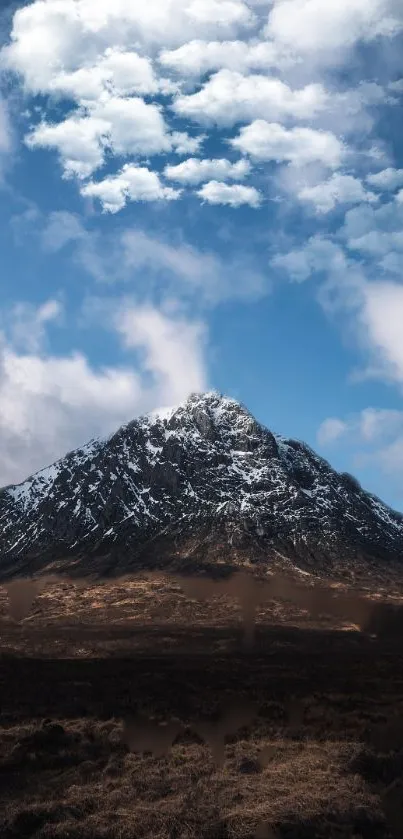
point(202, 484)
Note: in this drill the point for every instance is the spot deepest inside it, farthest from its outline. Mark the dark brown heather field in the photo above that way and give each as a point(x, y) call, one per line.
point(130, 710)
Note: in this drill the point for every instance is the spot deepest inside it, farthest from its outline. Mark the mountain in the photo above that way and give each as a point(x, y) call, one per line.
point(203, 484)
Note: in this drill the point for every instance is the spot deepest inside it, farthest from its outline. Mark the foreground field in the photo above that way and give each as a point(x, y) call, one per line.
point(299, 736)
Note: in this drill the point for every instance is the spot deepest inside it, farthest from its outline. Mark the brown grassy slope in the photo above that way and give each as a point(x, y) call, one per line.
point(322, 756)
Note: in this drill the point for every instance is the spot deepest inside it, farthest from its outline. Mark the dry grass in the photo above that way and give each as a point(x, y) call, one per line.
point(87, 783)
point(320, 756)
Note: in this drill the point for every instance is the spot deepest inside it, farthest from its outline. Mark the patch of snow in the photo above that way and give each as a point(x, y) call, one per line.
point(163, 414)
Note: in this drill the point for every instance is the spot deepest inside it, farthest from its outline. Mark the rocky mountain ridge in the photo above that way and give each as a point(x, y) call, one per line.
point(203, 484)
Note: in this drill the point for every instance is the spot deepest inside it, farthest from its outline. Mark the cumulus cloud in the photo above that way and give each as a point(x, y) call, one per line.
point(194, 171)
point(229, 97)
point(266, 141)
point(106, 58)
point(312, 26)
point(119, 72)
point(80, 142)
point(47, 35)
point(132, 183)
point(387, 179)
point(219, 11)
point(339, 189)
point(199, 57)
point(183, 143)
point(50, 404)
point(235, 195)
point(124, 126)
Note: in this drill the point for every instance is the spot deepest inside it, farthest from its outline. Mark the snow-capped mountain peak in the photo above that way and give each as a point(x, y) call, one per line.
point(205, 466)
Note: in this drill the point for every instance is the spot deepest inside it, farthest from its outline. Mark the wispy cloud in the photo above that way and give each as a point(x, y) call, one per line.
point(50, 404)
point(374, 438)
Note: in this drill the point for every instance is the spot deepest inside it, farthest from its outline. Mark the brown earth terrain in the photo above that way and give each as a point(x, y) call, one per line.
point(175, 709)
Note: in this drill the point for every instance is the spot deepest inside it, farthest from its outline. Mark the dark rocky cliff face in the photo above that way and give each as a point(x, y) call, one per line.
point(202, 484)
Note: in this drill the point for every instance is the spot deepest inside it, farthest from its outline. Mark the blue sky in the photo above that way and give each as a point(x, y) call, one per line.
point(201, 194)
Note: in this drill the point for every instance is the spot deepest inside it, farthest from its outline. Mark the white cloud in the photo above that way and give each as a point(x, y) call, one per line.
point(228, 97)
point(378, 242)
point(372, 310)
point(80, 142)
point(235, 195)
point(172, 350)
point(377, 233)
point(330, 430)
point(132, 183)
point(318, 255)
point(135, 126)
point(198, 57)
point(219, 11)
point(107, 56)
point(399, 196)
point(365, 219)
point(376, 423)
point(25, 325)
point(388, 179)
point(48, 35)
point(51, 404)
point(339, 189)
point(117, 71)
point(381, 319)
point(126, 126)
point(314, 26)
point(183, 143)
point(300, 146)
point(194, 171)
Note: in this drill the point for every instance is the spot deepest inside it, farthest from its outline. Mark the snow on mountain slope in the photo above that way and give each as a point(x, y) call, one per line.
point(204, 467)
